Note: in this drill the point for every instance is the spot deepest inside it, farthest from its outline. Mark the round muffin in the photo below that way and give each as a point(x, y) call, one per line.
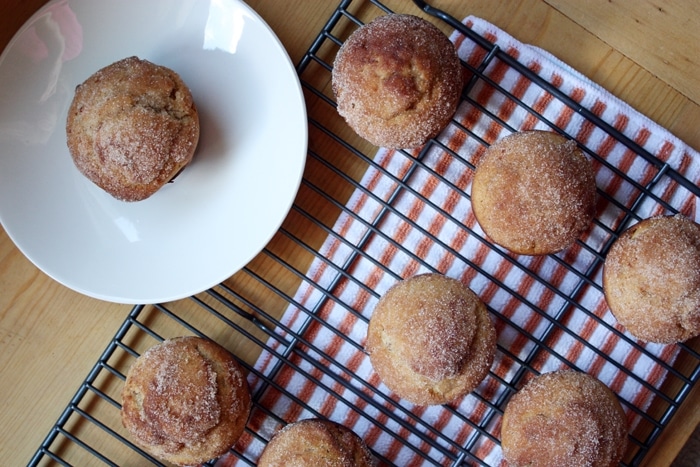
point(132, 126)
point(185, 400)
point(651, 279)
point(564, 418)
point(316, 442)
point(430, 339)
point(397, 81)
point(534, 192)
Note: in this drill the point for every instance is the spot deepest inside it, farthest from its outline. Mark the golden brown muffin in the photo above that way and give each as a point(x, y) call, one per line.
point(564, 418)
point(430, 339)
point(318, 443)
point(132, 126)
point(534, 192)
point(651, 279)
point(185, 400)
point(397, 81)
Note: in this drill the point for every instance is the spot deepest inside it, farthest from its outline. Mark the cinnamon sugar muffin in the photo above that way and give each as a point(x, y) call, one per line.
point(131, 127)
point(316, 442)
point(651, 279)
point(185, 400)
point(397, 80)
point(564, 418)
point(430, 339)
point(534, 192)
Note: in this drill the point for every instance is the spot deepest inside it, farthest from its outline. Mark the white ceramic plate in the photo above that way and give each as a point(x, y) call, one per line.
point(219, 212)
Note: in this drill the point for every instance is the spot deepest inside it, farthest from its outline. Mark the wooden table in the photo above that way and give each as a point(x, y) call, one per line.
point(645, 52)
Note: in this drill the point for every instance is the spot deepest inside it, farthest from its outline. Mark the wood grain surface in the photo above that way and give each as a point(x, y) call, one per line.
point(646, 52)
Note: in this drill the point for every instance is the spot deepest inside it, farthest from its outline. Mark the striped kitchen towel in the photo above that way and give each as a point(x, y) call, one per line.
point(412, 214)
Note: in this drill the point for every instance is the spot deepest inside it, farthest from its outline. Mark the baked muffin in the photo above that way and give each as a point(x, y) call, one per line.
point(534, 192)
point(131, 127)
point(430, 339)
point(397, 81)
point(316, 442)
point(564, 418)
point(185, 400)
point(651, 279)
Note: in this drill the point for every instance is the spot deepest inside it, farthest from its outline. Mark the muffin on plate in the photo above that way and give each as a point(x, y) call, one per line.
point(131, 127)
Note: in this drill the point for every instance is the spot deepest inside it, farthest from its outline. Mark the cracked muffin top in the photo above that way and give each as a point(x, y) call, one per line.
point(132, 126)
point(397, 81)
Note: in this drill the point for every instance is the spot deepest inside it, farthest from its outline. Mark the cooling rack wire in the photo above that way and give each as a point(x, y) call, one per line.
point(244, 312)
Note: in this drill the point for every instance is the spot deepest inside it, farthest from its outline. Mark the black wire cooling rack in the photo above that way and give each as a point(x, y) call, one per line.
point(243, 313)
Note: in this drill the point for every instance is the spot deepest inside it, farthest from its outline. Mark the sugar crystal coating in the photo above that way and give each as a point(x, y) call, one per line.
point(316, 442)
point(397, 81)
point(651, 279)
point(564, 418)
point(430, 339)
point(131, 127)
point(185, 400)
point(534, 192)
